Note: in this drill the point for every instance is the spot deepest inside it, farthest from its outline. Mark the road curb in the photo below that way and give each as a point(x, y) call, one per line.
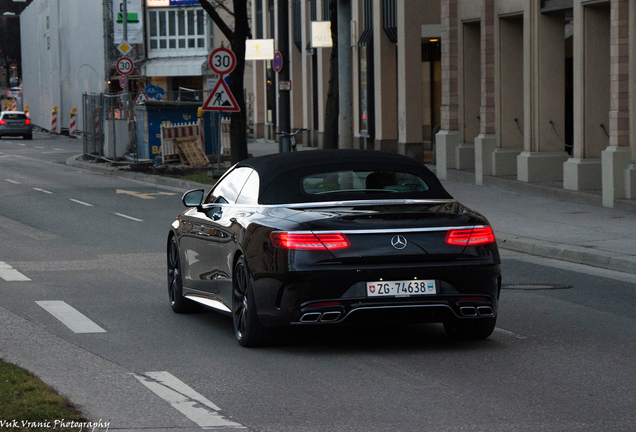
point(138, 176)
point(574, 254)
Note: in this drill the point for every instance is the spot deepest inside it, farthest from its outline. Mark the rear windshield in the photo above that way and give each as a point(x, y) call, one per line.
point(362, 182)
point(14, 117)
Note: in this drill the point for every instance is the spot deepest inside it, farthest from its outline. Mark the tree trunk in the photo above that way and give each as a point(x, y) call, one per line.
point(332, 109)
point(238, 128)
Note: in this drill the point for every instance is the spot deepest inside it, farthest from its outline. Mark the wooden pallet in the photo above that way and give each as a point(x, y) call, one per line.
point(190, 153)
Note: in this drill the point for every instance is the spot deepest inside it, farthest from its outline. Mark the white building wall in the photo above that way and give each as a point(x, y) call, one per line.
point(63, 60)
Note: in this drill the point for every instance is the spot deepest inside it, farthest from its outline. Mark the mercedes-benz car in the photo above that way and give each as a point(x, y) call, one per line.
point(15, 123)
point(327, 237)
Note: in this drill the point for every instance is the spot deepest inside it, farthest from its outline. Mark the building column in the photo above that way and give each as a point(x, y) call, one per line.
point(307, 81)
point(486, 142)
point(544, 96)
point(591, 62)
point(616, 158)
point(448, 138)
point(410, 16)
point(259, 103)
point(295, 75)
point(630, 171)
point(385, 91)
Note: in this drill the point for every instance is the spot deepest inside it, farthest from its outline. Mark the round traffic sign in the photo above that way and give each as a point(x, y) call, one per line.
point(278, 61)
point(123, 81)
point(222, 61)
point(125, 65)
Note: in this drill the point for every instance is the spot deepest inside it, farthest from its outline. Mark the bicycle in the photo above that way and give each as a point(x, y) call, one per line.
point(292, 137)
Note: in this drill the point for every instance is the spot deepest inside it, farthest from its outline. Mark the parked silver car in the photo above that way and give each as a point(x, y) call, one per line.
point(15, 123)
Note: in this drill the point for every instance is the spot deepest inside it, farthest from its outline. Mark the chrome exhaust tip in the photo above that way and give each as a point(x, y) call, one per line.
point(310, 317)
point(468, 311)
point(485, 310)
point(330, 316)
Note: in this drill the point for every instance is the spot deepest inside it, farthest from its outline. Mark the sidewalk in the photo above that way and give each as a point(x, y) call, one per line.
point(534, 219)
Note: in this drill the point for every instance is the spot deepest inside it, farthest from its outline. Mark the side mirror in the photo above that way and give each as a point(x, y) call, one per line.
point(193, 198)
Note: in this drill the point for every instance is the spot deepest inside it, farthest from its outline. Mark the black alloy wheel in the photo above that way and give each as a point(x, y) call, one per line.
point(248, 330)
point(476, 328)
point(178, 303)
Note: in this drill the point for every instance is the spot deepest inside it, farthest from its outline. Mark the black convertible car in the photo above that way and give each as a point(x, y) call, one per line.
point(332, 236)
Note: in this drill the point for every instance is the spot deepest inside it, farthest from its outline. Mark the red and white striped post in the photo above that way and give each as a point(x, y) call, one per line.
point(72, 128)
point(54, 120)
point(96, 120)
point(26, 111)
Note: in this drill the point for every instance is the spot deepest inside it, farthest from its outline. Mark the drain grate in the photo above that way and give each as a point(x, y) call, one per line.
point(534, 286)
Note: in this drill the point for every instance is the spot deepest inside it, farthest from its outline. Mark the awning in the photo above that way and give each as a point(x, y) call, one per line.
point(179, 66)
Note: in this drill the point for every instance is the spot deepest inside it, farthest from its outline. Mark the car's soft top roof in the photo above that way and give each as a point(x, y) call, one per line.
point(280, 173)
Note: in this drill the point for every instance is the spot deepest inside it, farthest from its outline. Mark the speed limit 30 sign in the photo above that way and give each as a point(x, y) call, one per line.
point(125, 65)
point(222, 61)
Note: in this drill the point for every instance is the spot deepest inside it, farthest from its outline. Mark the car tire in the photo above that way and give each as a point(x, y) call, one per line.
point(178, 302)
point(470, 329)
point(28, 137)
point(247, 328)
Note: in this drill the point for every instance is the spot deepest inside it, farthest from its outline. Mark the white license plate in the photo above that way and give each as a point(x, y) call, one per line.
point(403, 288)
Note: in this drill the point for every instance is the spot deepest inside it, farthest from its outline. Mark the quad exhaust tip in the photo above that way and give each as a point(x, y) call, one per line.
point(314, 317)
point(471, 311)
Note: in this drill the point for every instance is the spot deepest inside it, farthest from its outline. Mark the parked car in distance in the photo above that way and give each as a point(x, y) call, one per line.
point(14, 92)
point(15, 123)
point(325, 237)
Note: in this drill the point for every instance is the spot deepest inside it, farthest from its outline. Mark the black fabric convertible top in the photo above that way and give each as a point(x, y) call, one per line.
point(281, 174)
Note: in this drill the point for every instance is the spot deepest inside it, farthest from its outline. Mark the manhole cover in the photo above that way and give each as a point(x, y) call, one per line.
point(534, 286)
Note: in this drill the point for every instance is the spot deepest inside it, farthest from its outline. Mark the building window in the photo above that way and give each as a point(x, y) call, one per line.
point(178, 29)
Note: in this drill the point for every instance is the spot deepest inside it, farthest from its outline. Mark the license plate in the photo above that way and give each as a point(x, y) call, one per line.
point(403, 288)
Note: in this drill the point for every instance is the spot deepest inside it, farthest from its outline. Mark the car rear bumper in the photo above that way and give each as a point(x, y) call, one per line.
point(15, 131)
point(330, 297)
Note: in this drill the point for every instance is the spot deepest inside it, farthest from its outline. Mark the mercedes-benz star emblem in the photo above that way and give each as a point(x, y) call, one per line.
point(398, 242)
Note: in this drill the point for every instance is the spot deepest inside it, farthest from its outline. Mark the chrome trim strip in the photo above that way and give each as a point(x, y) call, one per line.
point(389, 230)
point(361, 203)
point(398, 307)
point(204, 298)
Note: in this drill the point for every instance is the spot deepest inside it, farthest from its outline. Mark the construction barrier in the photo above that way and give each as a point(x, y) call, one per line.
point(96, 120)
point(72, 128)
point(14, 105)
point(54, 120)
point(171, 131)
point(26, 111)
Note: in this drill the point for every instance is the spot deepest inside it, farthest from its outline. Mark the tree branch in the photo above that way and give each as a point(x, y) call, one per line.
point(229, 34)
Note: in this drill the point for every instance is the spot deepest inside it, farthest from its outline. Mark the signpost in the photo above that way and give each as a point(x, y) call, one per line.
point(125, 65)
point(277, 63)
point(222, 61)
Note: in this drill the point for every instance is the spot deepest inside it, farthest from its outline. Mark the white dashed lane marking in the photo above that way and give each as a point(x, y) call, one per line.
point(129, 217)
point(42, 190)
point(81, 202)
point(12, 181)
point(10, 274)
point(70, 317)
point(186, 400)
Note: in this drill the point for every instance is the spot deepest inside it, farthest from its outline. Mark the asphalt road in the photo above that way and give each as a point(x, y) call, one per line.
point(83, 304)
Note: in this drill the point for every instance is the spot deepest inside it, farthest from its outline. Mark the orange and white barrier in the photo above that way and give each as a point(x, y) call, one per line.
point(54, 127)
point(26, 111)
point(171, 131)
point(226, 142)
point(72, 128)
point(14, 105)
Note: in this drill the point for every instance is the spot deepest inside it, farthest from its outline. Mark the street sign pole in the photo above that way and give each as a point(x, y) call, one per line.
point(283, 97)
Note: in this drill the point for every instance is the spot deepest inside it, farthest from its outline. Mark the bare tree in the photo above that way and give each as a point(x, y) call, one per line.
point(237, 36)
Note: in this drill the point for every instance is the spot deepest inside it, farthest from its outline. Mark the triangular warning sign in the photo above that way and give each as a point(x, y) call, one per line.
point(221, 99)
point(141, 97)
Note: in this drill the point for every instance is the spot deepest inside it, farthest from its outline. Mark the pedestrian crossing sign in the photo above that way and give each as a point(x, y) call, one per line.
point(221, 99)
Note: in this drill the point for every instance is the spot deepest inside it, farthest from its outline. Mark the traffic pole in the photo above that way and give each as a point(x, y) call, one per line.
point(54, 120)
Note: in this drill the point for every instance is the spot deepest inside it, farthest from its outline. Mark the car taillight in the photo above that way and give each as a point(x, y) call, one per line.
point(309, 241)
point(470, 237)
point(2, 122)
point(27, 121)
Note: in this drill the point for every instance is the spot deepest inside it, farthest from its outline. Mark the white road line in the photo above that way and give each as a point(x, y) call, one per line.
point(37, 147)
point(58, 149)
point(12, 181)
point(186, 400)
point(129, 217)
point(81, 202)
point(509, 333)
point(10, 274)
point(21, 144)
point(42, 190)
point(70, 317)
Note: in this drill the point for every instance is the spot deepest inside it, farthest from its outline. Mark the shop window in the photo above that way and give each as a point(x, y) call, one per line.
point(178, 29)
